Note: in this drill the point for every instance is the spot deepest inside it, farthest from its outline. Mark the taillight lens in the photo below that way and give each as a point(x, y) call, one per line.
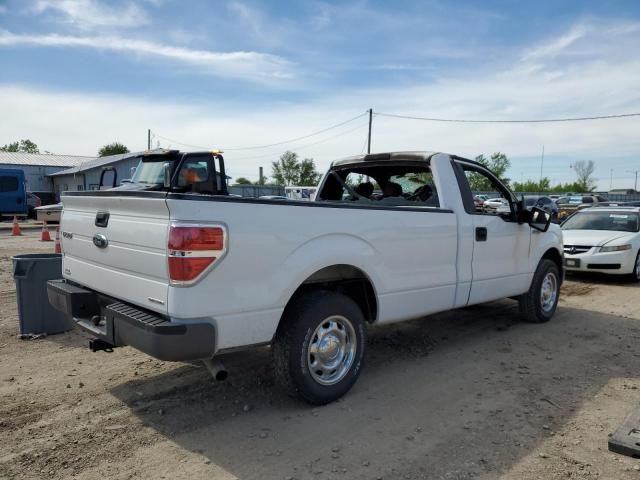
point(193, 249)
point(196, 238)
point(185, 269)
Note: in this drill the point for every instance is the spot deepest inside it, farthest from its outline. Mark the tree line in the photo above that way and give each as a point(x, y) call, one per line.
point(289, 169)
point(27, 146)
point(499, 163)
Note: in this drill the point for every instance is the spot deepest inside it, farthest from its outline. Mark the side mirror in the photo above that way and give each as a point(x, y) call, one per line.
point(166, 169)
point(539, 219)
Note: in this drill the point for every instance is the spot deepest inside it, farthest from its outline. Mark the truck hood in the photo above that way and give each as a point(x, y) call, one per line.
point(592, 238)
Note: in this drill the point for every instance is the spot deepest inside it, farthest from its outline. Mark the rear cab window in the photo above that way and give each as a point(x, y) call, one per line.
point(384, 184)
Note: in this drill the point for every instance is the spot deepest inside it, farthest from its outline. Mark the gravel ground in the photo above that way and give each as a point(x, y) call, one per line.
point(467, 394)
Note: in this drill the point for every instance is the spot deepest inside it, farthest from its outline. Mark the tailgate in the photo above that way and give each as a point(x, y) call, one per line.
point(126, 258)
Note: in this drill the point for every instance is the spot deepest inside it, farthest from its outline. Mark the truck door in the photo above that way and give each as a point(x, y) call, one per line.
point(500, 261)
point(12, 193)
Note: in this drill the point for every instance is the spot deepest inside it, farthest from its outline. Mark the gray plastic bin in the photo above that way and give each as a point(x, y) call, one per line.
point(31, 272)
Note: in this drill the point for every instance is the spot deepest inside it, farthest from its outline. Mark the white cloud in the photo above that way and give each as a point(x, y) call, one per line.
point(251, 66)
point(602, 82)
point(91, 14)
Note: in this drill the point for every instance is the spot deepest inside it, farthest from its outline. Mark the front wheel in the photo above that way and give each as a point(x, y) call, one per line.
point(319, 346)
point(635, 275)
point(539, 304)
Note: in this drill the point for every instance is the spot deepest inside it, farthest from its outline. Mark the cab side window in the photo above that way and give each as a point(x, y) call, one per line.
point(478, 181)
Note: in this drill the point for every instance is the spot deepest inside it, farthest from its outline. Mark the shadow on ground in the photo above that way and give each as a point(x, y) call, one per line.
point(458, 395)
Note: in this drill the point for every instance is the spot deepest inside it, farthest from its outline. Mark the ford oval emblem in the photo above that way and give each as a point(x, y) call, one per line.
point(100, 240)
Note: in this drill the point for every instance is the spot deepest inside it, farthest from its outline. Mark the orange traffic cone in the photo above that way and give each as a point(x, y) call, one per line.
point(44, 235)
point(58, 249)
point(15, 231)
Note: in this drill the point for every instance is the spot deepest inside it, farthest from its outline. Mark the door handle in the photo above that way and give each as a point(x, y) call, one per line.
point(481, 234)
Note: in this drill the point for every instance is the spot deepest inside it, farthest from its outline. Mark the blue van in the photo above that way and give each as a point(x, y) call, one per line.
point(13, 192)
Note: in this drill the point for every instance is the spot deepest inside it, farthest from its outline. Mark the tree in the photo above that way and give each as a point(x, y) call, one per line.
point(114, 148)
point(24, 146)
point(543, 185)
point(584, 172)
point(499, 163)
point(309, 176)
point(242, 181)
point(288, 170)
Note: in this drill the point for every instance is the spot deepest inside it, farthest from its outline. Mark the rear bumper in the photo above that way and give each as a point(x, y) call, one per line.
point(119, 324)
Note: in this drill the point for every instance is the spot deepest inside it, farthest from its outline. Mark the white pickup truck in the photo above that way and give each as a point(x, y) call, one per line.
point(172, 265)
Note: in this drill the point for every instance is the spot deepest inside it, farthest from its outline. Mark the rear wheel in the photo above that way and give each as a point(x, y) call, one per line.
point(319, 347)
point(539, 304)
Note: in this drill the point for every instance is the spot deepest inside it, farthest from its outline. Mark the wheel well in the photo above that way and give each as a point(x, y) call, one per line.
point(345, 279)
point(553, 255)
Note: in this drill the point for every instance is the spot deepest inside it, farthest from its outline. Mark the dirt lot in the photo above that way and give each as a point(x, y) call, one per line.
point(467, 394)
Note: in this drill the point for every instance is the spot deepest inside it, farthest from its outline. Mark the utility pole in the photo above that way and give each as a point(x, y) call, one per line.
point(611, 180)
point(635, 185)
point(369, 138)
point(148, 139)
point(541, 165)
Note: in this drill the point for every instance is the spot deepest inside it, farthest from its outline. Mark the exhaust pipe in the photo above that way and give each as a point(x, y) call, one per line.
point(216, 369)
point(96, 345)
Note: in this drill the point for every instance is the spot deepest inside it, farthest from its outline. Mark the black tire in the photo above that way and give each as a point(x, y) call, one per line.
point(635, 276)
point(298, 330)
point(531, 303)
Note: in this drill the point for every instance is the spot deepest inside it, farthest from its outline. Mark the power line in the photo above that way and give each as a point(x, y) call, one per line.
point(302, 147)
point(545, 120)
point(256, 147)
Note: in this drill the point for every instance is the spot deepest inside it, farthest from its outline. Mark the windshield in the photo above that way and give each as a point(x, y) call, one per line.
point(614, 221)
point(530, 201)
point(149, 172)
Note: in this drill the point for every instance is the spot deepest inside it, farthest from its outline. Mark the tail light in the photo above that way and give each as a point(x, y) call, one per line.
point(193, 249)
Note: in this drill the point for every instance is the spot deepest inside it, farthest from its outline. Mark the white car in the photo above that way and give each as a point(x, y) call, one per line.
point(493, 204)
point(605, 240)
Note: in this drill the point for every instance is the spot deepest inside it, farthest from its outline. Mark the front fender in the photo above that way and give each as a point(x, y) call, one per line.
point(542, 242)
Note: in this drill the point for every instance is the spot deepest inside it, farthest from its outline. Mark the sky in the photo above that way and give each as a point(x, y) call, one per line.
point(77, 74)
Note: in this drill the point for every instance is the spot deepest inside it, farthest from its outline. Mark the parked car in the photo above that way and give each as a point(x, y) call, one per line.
point(13, 193)
point(605, 240)
point(545, 203)
point(577, 202)
point(33, 202)
point(182, 271)
point(478, 201)
point(491, 205)
point(619, 204)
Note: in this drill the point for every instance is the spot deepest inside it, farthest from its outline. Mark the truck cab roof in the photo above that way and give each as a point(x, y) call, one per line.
point(417, 156)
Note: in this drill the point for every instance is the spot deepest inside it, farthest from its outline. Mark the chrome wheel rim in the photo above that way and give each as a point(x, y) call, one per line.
point(548, 292)
point(331, 350)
